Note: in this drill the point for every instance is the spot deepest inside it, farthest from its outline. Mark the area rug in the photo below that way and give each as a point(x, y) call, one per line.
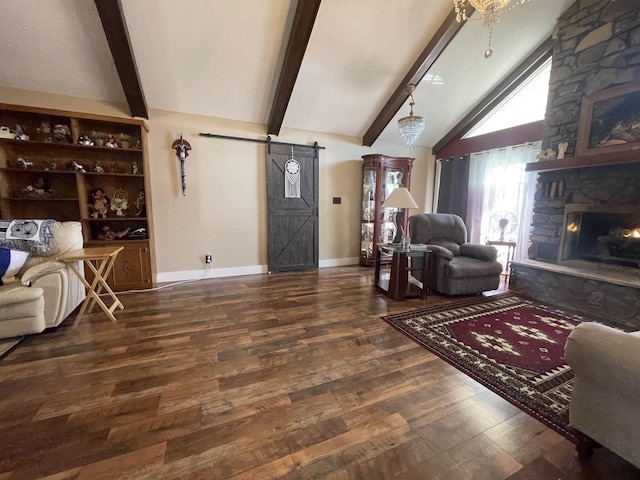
point(8, 344)
point(512, 345)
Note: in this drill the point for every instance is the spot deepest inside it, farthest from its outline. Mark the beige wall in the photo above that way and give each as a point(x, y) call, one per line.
point(224, 212)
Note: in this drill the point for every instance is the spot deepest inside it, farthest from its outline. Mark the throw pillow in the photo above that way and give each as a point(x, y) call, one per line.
point(11, 261)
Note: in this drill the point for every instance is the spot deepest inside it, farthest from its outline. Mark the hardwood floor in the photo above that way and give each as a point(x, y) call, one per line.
point(287, 376)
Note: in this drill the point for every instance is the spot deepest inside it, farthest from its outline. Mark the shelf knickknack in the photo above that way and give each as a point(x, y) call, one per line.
point(609, 121)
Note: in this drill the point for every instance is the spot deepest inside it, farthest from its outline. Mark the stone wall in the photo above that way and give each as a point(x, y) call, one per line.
point(612, 185)
point(597, 47)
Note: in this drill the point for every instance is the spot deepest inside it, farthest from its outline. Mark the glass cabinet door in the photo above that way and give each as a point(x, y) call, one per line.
point(392, 179)
point(368, 212)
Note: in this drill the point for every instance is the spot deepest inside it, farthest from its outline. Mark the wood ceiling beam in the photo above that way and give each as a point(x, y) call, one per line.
point(115, 29)
point(447, 31)
point(517, 76)
point(305, 17)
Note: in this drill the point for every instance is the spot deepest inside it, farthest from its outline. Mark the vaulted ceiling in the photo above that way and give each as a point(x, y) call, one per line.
point(234, 59)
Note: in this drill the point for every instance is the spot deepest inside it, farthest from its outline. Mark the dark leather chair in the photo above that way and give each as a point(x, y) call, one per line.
point(457, 266)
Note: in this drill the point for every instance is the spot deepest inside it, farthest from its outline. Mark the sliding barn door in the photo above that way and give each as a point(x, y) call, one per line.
point(292, 223)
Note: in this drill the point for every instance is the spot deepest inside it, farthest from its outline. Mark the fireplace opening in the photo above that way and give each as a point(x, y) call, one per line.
point(602, 234)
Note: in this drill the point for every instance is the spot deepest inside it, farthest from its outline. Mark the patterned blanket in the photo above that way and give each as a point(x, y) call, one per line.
point(33, 236)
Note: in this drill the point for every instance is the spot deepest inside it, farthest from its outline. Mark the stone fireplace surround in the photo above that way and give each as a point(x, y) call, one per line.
point(597, 47)
point(608, 294)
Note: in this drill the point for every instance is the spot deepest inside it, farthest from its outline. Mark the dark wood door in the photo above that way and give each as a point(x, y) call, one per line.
point(292, 223)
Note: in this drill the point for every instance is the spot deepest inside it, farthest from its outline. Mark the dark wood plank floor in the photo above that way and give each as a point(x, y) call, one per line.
point(288, 376)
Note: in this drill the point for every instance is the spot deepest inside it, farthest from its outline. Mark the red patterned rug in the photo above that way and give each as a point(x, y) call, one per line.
point(512, 345)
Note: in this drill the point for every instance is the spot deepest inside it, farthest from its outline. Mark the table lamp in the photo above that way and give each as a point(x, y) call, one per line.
point(399, 198)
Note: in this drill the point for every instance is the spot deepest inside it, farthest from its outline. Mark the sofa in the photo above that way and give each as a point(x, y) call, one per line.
point(457, 267)
point(604, 403)
point(44, 291)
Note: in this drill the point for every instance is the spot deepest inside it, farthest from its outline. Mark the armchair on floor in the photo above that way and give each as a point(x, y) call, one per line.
point(457, 267)
point(604, 402)
point(43, 292)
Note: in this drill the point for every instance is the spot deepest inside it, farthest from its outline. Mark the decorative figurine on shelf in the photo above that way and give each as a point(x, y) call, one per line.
point(120, 202)
point(43, 133)
point(107, 234)
point(85, 140)
point(5, 132)
point(24, 163)
point(548, 154)
point(110, 142)
point(78, 168)
point(19, 133)
point(97, 167)
point(50, 164)
point(134, 168)
point(99, 203)
point(61, 133)
point(38, 189)
point(562, 149)
point(138, 234)
point(141, 206)
point(182, 148)
point(138, 144)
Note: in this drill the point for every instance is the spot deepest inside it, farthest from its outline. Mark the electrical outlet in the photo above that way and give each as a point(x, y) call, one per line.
point(208, 258)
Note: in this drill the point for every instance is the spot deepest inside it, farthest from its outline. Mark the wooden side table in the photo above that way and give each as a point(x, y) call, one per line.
point(105, 257)
point(397, 286)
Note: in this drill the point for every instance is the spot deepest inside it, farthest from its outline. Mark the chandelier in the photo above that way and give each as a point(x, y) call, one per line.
point(412, 126)
point(490, 11)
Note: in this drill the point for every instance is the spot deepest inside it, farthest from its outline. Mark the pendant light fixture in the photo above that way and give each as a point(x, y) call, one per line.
point(412, 126)
point(490, 11)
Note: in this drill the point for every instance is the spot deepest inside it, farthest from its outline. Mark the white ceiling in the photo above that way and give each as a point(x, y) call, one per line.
point(222, 58)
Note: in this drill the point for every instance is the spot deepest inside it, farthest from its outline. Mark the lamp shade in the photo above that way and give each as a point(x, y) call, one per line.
point(400, 198)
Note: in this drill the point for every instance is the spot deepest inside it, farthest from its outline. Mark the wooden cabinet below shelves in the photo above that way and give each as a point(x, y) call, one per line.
point(132, 269)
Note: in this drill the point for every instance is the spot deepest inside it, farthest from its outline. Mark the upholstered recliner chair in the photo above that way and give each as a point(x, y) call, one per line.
point(45, 291)
point(604, 402)
point(457, 267)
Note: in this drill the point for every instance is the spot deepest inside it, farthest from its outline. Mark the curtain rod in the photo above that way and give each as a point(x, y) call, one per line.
point(268, 141)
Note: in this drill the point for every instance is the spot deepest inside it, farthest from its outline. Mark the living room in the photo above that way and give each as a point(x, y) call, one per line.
point(139, 398)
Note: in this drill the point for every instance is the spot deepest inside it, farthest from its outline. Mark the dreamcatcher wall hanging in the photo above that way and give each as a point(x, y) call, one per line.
point(291, 178)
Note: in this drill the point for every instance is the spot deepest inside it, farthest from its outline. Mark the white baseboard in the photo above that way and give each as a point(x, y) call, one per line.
point(164, 277)
point(339, 262)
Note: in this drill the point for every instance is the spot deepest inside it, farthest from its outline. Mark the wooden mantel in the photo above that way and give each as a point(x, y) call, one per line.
point(596, 160)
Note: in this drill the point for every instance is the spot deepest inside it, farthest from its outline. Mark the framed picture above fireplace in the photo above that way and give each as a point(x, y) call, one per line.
point(610, 121)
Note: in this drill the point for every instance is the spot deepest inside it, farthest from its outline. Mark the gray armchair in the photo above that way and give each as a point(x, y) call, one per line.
point(457, 267)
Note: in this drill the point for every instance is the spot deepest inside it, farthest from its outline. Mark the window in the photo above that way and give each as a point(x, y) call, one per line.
point(527, 104)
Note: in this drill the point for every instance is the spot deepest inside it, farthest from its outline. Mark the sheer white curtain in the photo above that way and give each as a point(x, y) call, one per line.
point(499, 187)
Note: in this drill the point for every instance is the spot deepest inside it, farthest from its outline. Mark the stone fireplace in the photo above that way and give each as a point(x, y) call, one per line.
point(605, 237)
point(583, 250)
